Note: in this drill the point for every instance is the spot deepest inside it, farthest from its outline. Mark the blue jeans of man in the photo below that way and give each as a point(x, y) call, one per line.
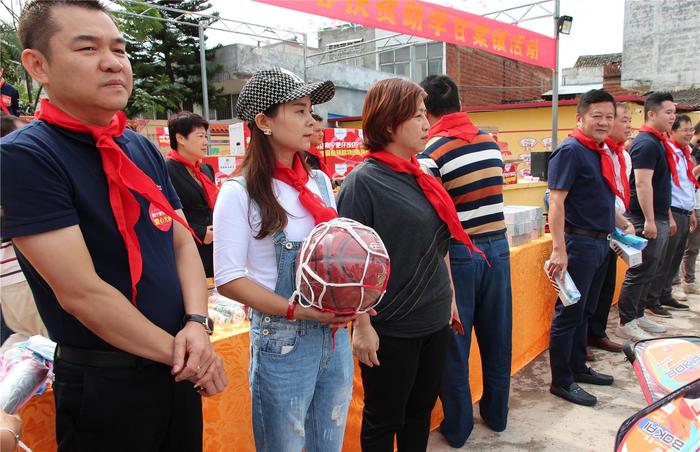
point(588, 263)
point(484, 301)
point(301, 386)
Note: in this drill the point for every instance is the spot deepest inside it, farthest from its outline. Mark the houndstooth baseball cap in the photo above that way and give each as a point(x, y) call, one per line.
point(274, 86)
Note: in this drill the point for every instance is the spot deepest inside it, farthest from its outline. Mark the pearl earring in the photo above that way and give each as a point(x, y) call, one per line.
point(267, 132)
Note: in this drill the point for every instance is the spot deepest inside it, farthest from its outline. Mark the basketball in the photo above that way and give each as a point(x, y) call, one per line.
point(343, 267)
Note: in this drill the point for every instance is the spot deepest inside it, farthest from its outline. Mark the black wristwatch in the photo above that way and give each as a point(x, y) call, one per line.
point(204, 320)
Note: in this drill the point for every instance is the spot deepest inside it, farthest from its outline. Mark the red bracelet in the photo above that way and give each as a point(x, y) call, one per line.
point(290, 309)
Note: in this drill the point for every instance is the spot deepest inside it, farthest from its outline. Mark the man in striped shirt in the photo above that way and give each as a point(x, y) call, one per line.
point(469, 164)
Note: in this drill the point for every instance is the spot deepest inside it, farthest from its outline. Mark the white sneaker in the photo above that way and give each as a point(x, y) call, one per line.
point(691, 289)
point(649, 325)
point(678, 293)
point(631, 331)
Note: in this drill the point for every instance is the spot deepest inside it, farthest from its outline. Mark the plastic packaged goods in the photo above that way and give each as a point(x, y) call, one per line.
point(631, 240)
point(564, 286)
point(21, 381)
point(225, 311)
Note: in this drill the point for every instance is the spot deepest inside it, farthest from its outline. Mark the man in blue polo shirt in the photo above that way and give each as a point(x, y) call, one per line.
point(650, 203)
point(581, 218)
point(660, 297)
point(118, 283)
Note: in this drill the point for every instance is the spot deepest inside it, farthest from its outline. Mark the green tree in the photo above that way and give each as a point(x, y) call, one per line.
point(165, 56)
point(14, 73)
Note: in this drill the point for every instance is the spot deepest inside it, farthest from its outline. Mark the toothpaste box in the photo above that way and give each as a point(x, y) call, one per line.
point(630, 255)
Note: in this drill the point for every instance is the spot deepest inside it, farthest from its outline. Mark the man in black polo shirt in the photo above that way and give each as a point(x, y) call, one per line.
point(581, 218)
point(117, 281)
point(9, 97)
point(661, 296)
point(649, 209)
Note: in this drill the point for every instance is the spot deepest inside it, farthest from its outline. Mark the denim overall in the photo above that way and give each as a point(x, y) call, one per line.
point(301, 387)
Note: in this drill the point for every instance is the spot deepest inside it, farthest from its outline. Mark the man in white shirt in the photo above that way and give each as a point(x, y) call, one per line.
point(660, 299)
point(621, 131)
point(693, 246)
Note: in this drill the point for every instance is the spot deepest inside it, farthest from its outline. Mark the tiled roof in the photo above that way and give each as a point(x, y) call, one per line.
point(688, 96)
point(598, 60)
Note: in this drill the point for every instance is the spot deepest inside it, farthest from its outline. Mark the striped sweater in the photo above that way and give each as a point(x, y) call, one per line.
point(472, 173)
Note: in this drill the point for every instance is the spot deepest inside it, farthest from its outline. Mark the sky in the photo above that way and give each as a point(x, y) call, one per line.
point(597, 26)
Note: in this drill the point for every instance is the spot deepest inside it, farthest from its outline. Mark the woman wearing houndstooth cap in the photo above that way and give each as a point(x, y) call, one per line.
point(301, 385)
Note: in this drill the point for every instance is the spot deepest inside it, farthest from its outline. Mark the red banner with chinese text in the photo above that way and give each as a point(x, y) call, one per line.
point(343, 150)
point(435, 22)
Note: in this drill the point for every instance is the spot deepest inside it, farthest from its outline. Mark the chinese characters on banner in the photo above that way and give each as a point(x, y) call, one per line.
point(343, 150)
point(435, 22)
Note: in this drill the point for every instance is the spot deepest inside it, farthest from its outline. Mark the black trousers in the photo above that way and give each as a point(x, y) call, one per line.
point(401, 392)
point(125, 409)
point(637, 283)
point(599, 320)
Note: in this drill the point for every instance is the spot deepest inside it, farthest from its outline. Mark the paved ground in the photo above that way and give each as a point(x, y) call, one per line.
point(538, 421)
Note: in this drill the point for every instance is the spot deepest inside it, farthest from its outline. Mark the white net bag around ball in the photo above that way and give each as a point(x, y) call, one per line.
point(342, 267)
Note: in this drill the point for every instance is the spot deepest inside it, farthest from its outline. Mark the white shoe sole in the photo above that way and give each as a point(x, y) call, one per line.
point(621, 334)
point(653, 330)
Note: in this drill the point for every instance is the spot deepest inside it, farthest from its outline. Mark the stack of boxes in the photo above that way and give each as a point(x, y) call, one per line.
point(524, 223)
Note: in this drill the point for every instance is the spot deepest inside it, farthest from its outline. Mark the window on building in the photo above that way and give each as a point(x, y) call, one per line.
point(348, 48)
point(415, 62)
point(396, 61)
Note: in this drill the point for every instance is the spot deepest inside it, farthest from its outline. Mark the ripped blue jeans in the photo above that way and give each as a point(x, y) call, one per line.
point(301, 387)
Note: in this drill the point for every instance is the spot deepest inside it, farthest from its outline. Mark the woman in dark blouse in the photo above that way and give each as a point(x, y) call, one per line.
point(402, 349)
point(193, 180)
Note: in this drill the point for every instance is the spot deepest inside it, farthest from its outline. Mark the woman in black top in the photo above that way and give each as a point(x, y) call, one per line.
point(193, 180)
point(402, 349)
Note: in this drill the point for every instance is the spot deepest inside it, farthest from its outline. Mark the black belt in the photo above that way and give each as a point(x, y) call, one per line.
point(687, 213)
point(587, 232)
point(485, 239)
point(100, 358)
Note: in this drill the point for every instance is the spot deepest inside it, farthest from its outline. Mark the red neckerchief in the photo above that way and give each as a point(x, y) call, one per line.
point(606, 163)
point(670, 153)
point(455, 125)
point(297, 177)
point(123, 177)
point(688, 163)
point(433, 191)
point(210, 189)
point(616, 148)
point(313, 150)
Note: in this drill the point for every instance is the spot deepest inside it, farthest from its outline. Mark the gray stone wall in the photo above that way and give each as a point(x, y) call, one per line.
point(241, 61)
point(660, 44)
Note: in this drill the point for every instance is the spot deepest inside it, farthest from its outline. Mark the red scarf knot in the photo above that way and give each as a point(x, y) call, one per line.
point(297, 177)
point(210, 189)
point(617, 149)
point(123, 177)
point(433, 191)
point(688, 162)
point(607, 167)
point(668, 151)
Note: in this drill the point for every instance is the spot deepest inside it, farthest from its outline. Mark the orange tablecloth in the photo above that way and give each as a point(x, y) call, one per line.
point(227, 423)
